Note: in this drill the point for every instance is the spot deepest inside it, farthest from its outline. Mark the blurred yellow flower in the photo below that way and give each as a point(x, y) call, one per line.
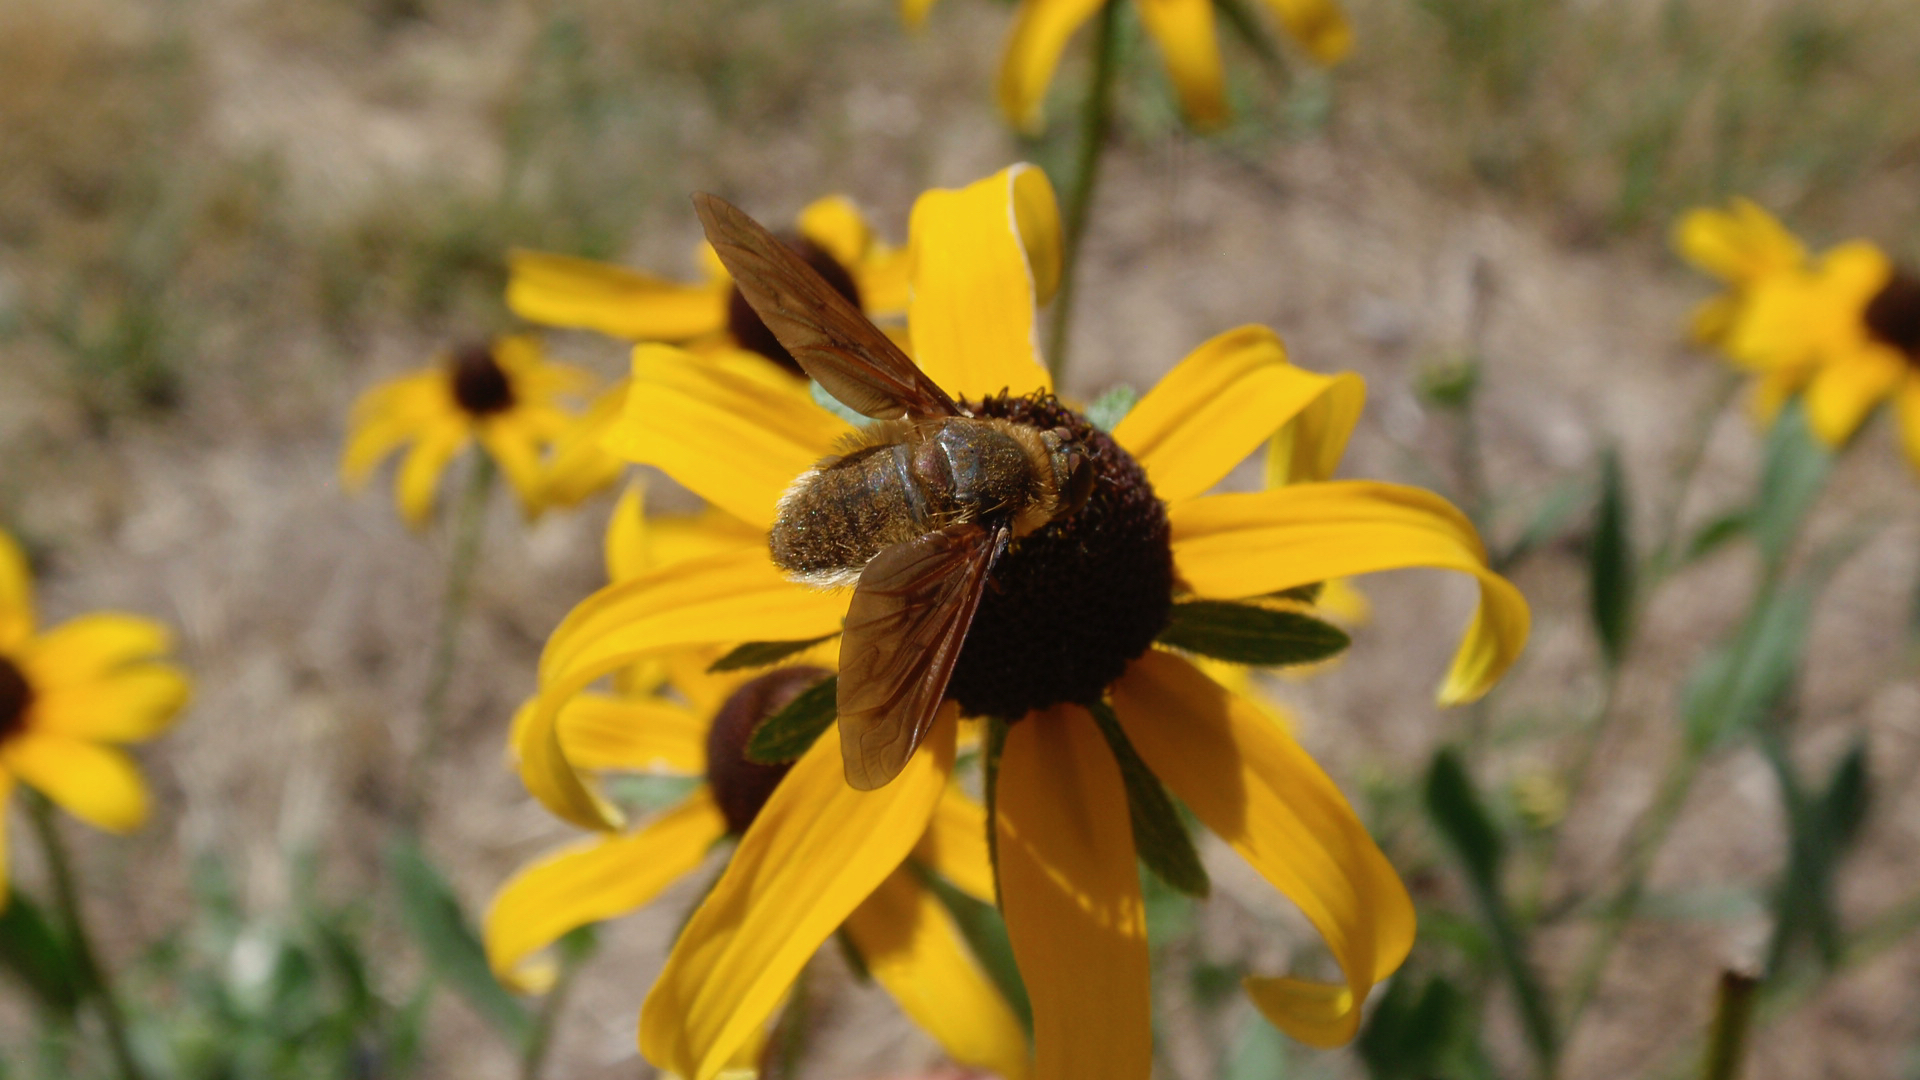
point(504, 395)
point(1184, 30)
point(572, 293)
point(71, 696)
point(1757, 322)
point(1867, 317)
point(1066, 857)
point(902, 933)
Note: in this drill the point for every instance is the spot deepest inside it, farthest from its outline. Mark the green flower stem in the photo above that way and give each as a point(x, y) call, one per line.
point(67, 897)
point(573, 956)
point(1732, 1019)
point(1096, 122)
point(469, 526)
point(1662, 560)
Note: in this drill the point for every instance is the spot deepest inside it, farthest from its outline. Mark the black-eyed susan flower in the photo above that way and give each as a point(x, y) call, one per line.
point(71, 696)
point(1065, 633)
point(1184, 30)
point(505, 395)
point(1759, 321)
point(901, 932)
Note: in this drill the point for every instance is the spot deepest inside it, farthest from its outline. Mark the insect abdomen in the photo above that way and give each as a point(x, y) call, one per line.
point(836, 517)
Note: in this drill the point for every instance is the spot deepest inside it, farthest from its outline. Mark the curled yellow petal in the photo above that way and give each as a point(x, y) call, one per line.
point(1235, 546)
point(1185, 31)
point(722, 598)
point(736, 441)
point(593, 880)
point(973, 319)
point(1071, 893)
point(633, 733)
point(912, 947)
point(1227, 397)
point(1253, 785)
point(97, 784)
point(1320, 26)
point(816, 851)
point(563, 291)
point(1041, 29)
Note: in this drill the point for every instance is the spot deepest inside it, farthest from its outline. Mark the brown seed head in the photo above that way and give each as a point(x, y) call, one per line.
point(16, 697)
point(1893, 315)
point(479, 384)
point(741, 786)
point(752, 334)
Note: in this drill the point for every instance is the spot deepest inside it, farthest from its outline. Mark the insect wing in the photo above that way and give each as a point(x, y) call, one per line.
point(904, 630)
point(827, 334)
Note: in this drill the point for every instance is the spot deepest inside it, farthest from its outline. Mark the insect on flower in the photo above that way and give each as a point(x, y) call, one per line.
point(912, 511)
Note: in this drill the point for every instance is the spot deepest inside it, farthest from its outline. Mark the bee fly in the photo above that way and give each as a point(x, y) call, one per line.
point(912, 511)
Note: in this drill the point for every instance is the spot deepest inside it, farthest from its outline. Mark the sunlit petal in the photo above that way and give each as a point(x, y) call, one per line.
point(955, 846)
point(97, 784)
point(16, 594)
point(1236, 546)
point(1252, 784)
point(1739, 244)
point(131, 704)
point(736, 441)
point(912, 947)
point(84, 648)
point(1844, 391)
point(973, 318)
point(592, 880)
point(1227, 397)
point(635, 734)
point(816, 851)
point(1071, 893)
point(1041, 29)
point(1188, 41)
point(560, 290)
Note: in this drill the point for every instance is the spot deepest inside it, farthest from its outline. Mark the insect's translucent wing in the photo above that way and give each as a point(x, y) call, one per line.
point(904, 630)
point(826, 333)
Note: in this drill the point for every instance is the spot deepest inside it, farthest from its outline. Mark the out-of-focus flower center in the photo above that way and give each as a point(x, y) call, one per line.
point(740, 786)
point(479, 385)
point(1069, 605)
point(745, 325)
point(16, 696)
point(1893, 315)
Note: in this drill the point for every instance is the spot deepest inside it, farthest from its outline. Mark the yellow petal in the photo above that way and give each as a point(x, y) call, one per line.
point(836, 224)
point(6, 798)
point(1738, 245)
point(973, 319)
point(592, 880)
point(560, 290)
point(131, 704)
point(1320, 26)
point(815, 852)
point(1235, 546)
point(955, 846)
point(728, 597)
point(1253, 785)
point(885, 278)
point(1071, 894)
point(912, 947)
point(736, 441)
point(1773, 389)
point(16, 594)
point(637, 734)
point(1041, 29)
point(626, 544)
point(914, 12)
point(369, 443)
point(518, 457)
point(97, 784)
point(580, 466)
point(1185, 32)
point(1846, 390)
point(1223, 400)
point(420, 475)
point(1909, 405)
point(83, 649)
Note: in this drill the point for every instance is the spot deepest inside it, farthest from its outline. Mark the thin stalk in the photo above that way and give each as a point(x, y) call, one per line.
point(540, 1040)
point(1700, 432)
point(469, 526)
point(1096, 121)
point(67, 897)
point(1732, 1019)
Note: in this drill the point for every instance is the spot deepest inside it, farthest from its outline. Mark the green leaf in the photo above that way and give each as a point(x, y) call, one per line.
point(1550, 518)
point(1420, 1030)
point(755, 654)
point(1245, 634)
point(1610, 563)
point(36, 954)
point(1716, 533)
point(1301, 594)
point(1106, 411)
point(1795, 471)
point(1732, 688)
point(1159, 833)
point(1844, 805)
point(789, 733)
point(432, 916)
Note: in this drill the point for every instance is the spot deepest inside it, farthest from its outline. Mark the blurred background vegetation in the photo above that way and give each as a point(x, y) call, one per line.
point(220, 218)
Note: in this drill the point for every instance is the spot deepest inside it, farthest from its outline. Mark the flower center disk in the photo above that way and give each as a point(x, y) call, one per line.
point(1893, 315)
point(1070, 604)
point(752, 334)
point(16, 696)
point(479, 385)
point(742, 786)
